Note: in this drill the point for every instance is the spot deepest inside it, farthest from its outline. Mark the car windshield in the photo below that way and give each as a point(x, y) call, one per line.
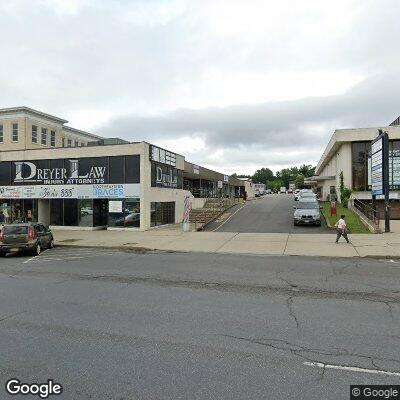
point(15, 230)
point(308, 205)
point(307, 194)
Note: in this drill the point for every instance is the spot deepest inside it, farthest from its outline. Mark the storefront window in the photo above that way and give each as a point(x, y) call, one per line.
point(56, 212)
point(124, 213)
point(85, 210)
point(17, 211)
point(116, 213)
point(359, 176)
point(162, 213)
point(30, 210)
point(71, 212)
point(5, 207)
point(132, 213)
point(360, 165)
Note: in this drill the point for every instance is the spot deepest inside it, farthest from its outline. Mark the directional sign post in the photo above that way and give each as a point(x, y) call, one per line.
point(380, 172)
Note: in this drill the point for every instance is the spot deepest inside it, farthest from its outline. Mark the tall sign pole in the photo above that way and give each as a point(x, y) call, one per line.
point(380, 172)
point(386, 179)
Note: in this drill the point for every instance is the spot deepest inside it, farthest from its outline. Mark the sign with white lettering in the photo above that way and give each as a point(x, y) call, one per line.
point(165, 176)
point(162, 156)
point(377, 166)
point(33, 173)
point(115, 206)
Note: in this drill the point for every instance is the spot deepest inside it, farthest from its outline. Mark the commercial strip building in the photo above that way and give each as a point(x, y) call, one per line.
point(64, 177)
point(349, 152)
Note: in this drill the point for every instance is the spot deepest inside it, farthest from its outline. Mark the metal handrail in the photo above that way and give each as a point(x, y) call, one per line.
point(366, 210)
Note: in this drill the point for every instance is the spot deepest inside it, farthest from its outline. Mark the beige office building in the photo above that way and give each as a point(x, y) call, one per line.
point(68, 178)
point(349, 152)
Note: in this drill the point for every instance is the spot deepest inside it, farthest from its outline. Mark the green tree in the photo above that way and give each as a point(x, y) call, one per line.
point(275, 185)
point(299, 181)
point(263, 175)
point(307, 170)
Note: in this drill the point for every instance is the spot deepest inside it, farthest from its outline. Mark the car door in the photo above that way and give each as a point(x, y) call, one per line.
point(46, 236)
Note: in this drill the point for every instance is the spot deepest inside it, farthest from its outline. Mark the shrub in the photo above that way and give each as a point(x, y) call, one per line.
point(345, 192)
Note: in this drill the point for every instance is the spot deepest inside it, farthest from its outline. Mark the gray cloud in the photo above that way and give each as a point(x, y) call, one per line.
point(149, 64)
point(255, 132)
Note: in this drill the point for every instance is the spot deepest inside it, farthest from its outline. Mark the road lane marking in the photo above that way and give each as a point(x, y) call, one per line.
point(229, 218)
point(352, 369)
point(32, 258)
point(25, 262)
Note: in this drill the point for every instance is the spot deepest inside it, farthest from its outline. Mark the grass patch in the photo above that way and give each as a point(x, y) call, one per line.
point(353, 222)
point(69, 240)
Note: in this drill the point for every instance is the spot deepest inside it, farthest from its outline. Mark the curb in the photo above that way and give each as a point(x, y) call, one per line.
point(146, 250)
point(141, 250)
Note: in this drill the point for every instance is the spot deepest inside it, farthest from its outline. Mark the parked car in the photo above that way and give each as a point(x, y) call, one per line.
point(307, 212)
point(25, 237)
point(268, 191)
point(306, 194)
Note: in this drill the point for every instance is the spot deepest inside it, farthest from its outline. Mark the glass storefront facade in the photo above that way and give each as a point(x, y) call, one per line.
point(124, 215)
point(162, 213)
point(74, 191)
point(19, 210)
point(94, 212)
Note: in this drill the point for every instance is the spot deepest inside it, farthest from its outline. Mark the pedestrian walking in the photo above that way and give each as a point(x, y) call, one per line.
point(341, 229)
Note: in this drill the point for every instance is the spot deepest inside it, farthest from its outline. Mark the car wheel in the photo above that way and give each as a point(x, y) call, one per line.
point(2, 254)
point(38, 249)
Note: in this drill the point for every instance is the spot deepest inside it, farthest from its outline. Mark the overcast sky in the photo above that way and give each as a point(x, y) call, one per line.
point(232, 85)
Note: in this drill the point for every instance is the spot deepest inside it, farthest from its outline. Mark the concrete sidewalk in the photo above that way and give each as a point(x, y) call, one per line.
point(362, 245)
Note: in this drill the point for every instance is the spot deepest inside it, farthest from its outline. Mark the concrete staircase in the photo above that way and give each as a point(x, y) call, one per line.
point(211, 210)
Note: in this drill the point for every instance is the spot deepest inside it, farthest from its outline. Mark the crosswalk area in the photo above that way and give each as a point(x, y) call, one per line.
point(65, 254)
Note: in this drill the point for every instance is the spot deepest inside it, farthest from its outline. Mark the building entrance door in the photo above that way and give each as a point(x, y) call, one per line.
point(100, 212)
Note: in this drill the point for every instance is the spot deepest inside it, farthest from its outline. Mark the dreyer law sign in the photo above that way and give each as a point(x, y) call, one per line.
point(28, 172)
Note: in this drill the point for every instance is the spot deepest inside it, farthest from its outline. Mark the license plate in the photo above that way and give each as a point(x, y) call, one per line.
point(14, 250)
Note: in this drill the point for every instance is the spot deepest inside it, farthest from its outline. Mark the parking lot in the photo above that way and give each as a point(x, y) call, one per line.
point(269, 214)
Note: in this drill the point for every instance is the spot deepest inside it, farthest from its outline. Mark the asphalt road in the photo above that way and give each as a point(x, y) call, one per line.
point(119, 325)
point(269, 214)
